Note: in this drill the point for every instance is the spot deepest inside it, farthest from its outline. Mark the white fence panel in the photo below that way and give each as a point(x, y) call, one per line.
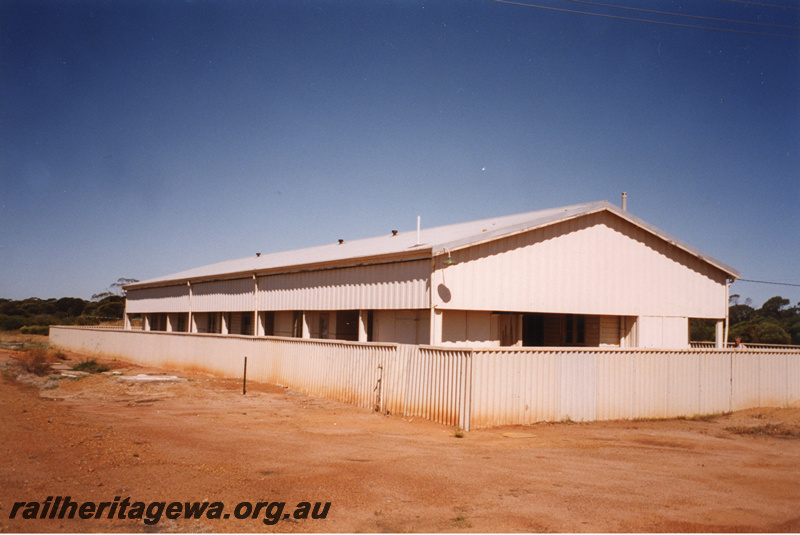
point(577, 387)
point(438, 385)
point(473, 388)
point(615, 386)
point(514, 387)
point(745, 378)
point(772, 387)
point(650, 385)
point(715, 382)
point(683, 383)
point(792, 380)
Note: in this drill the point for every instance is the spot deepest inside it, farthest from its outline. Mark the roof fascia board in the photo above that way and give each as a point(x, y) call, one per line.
point(728, 270)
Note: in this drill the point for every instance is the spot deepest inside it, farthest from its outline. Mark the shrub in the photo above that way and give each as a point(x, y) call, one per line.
point(10, 323)
point(90, 366)
point(35, 361)
point(772, 333)
point(35, 329)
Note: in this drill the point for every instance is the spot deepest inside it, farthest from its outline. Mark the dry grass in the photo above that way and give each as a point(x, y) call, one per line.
point(771, 430)
point(35, 361)
point(91, 366)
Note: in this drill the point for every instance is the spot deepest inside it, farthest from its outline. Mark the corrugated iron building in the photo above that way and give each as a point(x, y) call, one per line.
point(589, 275)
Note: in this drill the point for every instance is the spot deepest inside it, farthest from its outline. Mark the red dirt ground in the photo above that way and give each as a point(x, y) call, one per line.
point(99, 437)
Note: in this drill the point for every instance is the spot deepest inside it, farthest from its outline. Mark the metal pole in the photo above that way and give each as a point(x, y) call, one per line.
point(244, 378)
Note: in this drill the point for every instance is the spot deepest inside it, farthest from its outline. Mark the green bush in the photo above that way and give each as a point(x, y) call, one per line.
point(10, 323)
point(772, 333)
point(91, 366)
point(35, 329)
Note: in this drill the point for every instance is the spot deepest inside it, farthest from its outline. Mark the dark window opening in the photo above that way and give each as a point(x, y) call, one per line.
point(269, 324)
point(347, 325)
point(323, 326)
point(533, 330)
point(247, 323)
point(182, 321)
point(297, 324)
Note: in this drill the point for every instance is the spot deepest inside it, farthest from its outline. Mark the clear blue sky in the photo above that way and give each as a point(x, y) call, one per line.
point(141, 138)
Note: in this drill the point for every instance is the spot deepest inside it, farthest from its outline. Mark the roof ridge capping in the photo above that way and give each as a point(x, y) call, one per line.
point(440, 240)
point(523, 222)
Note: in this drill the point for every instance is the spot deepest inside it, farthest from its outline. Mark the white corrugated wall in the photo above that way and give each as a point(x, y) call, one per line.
point(224, 295)
point(160, 299)
point(524, 386)
point(474, 388)
point(401, 285)
point(597, 264)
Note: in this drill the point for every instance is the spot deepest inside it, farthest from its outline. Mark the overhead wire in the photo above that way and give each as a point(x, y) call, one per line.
point(769, 282)
point(651, 21)
point(759, 4)
point(684, 15)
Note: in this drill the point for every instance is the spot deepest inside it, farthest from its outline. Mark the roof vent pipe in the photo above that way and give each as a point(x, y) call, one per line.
point(418, 221)
point(624, 201)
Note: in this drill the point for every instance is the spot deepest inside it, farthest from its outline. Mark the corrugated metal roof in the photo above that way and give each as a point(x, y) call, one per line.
point(432, 242)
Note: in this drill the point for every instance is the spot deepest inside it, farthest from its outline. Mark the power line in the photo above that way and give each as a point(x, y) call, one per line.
point(633, 19)
point(759, 4)
point(671, 14)
point(768, 282)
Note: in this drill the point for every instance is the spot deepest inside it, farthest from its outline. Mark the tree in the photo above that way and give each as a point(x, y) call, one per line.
point(70, 306)
point(772, 333)
point(115, 288)
point(772, 307)
point(122, 281)
point(740, 313)
point(793, 328)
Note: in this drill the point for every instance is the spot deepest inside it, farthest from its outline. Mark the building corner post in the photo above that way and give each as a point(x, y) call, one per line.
point(363, 316)
point(727, 312)
point(126, 319)
point(190, 324)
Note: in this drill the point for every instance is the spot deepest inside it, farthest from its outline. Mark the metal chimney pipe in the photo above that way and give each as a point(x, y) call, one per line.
point(624, 202)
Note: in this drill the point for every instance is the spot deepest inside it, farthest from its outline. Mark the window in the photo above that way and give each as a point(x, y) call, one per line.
point(247, 323)
point(269, 324)
point(347, 325)
point(533, 330)
point(574, 329)
point(323, 326)
point(297, 324)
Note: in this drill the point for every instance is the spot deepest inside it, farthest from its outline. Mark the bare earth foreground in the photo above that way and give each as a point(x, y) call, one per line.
point(198, 438)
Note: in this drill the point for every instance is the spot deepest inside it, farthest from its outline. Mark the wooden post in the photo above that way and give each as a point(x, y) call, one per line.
point(244, 377)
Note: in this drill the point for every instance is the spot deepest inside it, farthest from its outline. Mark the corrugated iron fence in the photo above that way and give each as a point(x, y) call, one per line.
point(474, 388)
